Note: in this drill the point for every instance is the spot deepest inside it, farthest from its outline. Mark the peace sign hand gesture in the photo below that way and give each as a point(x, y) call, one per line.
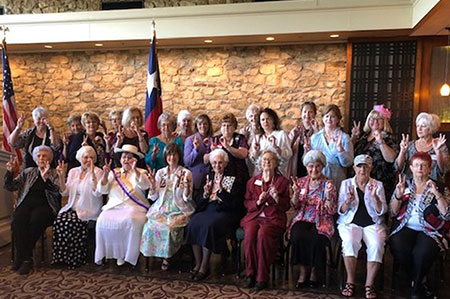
point(356, 130)
point(20, 121)
point(401, 186)
point(61, 168)
point(85, 140)
point(404, 143)
point(350, 195)
point(438, 142)
point(13, 165)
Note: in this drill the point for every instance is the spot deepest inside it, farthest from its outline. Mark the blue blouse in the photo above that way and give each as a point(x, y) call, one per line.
point(159, 162)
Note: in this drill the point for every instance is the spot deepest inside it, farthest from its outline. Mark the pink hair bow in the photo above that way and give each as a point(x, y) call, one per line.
point(383, 111)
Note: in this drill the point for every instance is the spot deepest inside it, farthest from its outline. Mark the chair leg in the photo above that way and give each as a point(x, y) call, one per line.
point(12, 247)
point(238, 258)
point(287, 252)
point(147, 264)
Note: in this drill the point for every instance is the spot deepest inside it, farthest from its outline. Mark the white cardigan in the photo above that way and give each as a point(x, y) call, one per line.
point(347, 217)
point(89, 203)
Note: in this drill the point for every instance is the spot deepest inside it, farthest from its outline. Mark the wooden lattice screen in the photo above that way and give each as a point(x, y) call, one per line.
point(383, 73)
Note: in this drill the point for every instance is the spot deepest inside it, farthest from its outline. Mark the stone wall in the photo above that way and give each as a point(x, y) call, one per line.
point(211, 80)
point(54, 6)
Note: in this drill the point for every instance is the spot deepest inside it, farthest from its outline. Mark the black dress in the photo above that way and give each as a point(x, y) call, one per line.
point(213, 221)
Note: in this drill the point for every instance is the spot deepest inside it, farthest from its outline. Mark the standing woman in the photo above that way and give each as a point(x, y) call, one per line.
point(235, 145)
point(184, 120)
point(250, 130)
point(266, 200)
point(378, 142)
point(119, 226)
point(155, 155)
point(70, 229)
point(300, 137)
point(426, 125)
point(195, 147)
point(42, 133)
point(334, 144)
point(133, 133)
point(272, 138)
point(420, 207)
point(171, 192)
point(314, 200)
point(38, 203)
point(217, 214)
point(91, 136)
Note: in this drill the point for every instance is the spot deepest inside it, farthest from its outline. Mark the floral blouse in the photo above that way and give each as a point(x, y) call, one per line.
point(310, 206)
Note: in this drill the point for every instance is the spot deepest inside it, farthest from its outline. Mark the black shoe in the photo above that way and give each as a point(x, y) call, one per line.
point(192, 274)
point(415, 294)
point(201, 276)
point(260, 285)
point(250, 281)
point(313, 284)
point(427, 291)
point(25, 268)
point(16, 265)
point(301, 284)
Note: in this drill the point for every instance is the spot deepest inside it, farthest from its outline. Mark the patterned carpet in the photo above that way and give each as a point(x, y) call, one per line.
point(58, 283)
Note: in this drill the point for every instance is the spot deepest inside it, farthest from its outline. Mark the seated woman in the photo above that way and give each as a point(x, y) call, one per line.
point(70, 229)
point(361, 207)
point(266, 200)
point(171, 190)
point(42, 133)
point(37, 205)
point(420, 208)
point(216, 215)
point(167, 125)
point(119, 226)
point(311, 229)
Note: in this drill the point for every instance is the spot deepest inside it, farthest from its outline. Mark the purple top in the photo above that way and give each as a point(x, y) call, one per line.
point(193, 160)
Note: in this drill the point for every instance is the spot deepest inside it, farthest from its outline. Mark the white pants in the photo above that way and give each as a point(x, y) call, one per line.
point(374, 236)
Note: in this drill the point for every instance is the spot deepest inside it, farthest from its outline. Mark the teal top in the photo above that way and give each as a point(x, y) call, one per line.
point(159, 162)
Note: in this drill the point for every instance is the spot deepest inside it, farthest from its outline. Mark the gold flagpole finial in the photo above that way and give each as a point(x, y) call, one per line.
point(153, 27)
point(4, 29)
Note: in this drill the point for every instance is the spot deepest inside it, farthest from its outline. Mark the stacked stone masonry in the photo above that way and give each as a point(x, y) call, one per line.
point(213, 80)
point(54, 6)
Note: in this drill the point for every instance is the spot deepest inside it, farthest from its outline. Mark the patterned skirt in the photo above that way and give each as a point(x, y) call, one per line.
point(69, 240)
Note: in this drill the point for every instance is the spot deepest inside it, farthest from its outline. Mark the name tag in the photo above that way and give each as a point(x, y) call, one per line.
point(433, 157)
point(407, 191)
point(303, 191)
point(163, 183)
point(258, 183)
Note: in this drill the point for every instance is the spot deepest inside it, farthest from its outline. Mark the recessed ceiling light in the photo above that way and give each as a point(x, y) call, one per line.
point(208, 41)
point(48, 46)
point(99, 45)
point(270, 38)
point(334, 35)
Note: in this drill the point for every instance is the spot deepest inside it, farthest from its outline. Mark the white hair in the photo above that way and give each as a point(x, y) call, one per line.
point(252, 108)
point(218, 152)
point(42, 148)
point(182, 115)
point(314, 156)
point(39, 111)
point(166, 116)
point(87, 149)
point(432, 121)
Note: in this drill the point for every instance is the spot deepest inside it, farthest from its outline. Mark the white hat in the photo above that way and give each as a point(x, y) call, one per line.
point(363, 159)
point(129, 148)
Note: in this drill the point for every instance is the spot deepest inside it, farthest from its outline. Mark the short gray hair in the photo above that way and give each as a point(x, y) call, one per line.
point(314, 156)
point(431, 120)
point(218, 152)
point(87, 149)
point(182, 115)
point(252, 108)
point(39, 111)
point(166, 116)
point(42, 148)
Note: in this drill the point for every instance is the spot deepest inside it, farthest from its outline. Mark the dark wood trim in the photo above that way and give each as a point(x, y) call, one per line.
point(417, 84)
point(348, 84)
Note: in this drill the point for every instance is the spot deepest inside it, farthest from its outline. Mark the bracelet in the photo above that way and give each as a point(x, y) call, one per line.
point(395, 195)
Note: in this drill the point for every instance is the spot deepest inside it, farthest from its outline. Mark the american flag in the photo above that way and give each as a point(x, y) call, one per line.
point(153, 102)
point(9, 104)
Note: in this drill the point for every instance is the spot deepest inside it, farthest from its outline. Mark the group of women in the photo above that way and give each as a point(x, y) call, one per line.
point(193, 187)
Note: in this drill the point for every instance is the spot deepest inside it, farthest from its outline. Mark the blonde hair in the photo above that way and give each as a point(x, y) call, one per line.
point(128, 114)
point(373, 114)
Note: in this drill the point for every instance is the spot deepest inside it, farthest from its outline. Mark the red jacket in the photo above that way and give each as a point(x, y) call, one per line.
point(273, 211)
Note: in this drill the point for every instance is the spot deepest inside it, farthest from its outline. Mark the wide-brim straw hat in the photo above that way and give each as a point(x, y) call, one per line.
point(132, 149)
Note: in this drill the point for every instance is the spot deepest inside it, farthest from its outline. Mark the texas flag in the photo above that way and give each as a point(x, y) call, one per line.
point(153, 102)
